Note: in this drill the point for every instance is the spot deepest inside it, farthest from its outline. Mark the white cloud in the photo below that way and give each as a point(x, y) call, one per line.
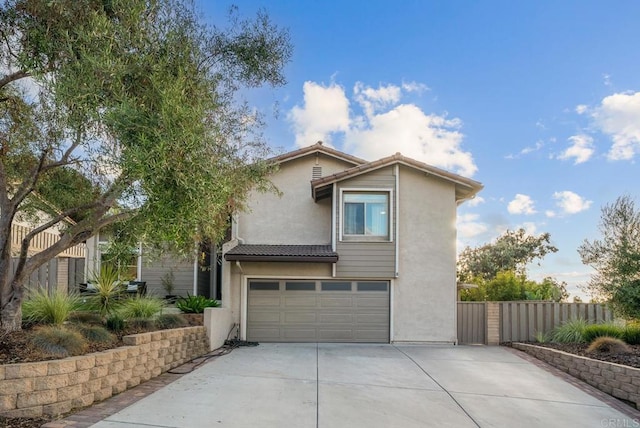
point(521, 204)
point(570, 202)
point(468, 227)
point(550, 213)
point(530, 228)
point(606, 79)
point(529, 149)
point(581, 108)
point(475, 201)
point(619, 117)
point(581, 149)
point(386, 127)
point(325, 111)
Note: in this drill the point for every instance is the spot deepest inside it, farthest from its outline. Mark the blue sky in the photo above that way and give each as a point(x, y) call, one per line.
point(538, 100)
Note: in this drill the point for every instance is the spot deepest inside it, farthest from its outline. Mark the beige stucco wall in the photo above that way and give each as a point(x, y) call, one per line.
point(293, 217)
point(424, 294)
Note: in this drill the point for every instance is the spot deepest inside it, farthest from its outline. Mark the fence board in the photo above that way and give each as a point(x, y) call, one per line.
point(471, 322)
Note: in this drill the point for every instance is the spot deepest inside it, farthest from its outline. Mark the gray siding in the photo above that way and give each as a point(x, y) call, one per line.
point(371, 259)
point(154, 271)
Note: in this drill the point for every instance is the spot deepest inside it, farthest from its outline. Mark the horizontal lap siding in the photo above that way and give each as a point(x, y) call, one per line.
point(367, 259)
point(152, 274)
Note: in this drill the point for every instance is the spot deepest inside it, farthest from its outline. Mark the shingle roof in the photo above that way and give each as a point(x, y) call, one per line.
point(284, 253)
point(317, 148)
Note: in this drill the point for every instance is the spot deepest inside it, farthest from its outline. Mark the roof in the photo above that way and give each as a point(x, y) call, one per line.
point(282, 253)
point(317, 148)
point(465, 187)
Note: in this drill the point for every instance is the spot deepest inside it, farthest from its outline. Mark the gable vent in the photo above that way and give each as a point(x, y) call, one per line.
point(316, 173)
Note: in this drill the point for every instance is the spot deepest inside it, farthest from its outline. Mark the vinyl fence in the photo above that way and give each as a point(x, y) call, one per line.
point(488, 322)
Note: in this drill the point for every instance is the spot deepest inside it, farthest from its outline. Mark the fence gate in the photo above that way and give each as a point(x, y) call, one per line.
point(471, 323)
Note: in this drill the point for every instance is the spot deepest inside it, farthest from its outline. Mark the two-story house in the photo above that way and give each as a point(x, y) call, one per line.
point(349, 251)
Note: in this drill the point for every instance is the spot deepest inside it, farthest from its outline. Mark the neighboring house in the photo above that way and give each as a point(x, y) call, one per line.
point(350, 251)
point(195, 276)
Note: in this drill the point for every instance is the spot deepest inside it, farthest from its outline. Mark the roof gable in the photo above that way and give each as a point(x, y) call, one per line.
point(318, 148)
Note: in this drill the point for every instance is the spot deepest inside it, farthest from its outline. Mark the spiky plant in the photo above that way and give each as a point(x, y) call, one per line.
point(43, 308)
point(165, 321)
point(570, 332)
point(593, 331)
point(107, 291)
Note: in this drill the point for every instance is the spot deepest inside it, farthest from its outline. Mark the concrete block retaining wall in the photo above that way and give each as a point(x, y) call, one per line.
point(615, 379)
point(58, 386)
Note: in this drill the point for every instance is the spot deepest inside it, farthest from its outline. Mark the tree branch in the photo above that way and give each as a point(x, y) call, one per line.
point(12, 77)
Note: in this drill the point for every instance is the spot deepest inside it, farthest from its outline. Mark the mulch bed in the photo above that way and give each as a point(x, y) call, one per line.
point(631, 358)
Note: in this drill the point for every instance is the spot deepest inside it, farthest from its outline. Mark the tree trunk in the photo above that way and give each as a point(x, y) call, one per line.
point(11, 316)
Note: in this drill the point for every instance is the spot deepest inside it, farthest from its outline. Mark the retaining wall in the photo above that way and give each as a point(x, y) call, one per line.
point(58, 386)
point(615, 379)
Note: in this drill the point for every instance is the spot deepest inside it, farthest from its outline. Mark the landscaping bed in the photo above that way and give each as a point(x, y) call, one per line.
point(631, 358)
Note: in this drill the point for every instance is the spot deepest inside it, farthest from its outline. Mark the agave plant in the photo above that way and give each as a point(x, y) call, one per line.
point(107, 291)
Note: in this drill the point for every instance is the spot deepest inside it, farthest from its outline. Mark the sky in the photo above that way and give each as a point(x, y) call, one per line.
point(537, 100)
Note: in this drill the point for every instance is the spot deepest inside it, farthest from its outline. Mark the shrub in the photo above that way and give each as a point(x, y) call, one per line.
point(195, 304)
point(95, 333)
point(85, 317)
point(115, 322)
point(631, 334)
point(541, 337)
point(570, 332)
point(593, 331)
point(170, 321)
point(59, 341)
point(141, 307)
point(138, 324)
point(608, 344)
point(40, 307)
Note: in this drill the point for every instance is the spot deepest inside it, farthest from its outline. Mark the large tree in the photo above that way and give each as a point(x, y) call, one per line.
point(125, 111)
point(616, 257)
point(511, 251)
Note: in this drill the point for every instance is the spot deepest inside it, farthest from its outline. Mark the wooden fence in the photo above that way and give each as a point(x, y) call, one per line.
point(42, 241)
point(520, 321)
point(62, 273)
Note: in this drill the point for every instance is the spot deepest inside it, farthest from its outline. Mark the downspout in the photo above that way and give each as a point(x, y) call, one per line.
point(334, 210)
point(139, 264)
point(195, 272)
point(396, 216)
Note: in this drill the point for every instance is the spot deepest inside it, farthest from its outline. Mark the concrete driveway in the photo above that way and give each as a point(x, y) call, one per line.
point(352, 386)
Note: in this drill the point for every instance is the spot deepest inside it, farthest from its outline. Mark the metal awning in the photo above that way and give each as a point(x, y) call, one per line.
point(282, 253)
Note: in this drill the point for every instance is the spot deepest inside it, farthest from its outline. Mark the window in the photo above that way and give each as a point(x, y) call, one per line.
point(366, 214)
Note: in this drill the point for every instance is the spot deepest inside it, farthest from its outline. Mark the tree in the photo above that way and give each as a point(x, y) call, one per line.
point(509, 286)
point(511, 251)
point(616, 257)
point(126, 111)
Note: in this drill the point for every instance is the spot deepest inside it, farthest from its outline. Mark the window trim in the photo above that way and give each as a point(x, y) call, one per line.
point(367, 238)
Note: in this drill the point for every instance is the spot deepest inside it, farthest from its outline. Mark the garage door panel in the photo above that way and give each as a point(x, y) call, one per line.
point(300, 317)
point(336, 318)
point(266, 301)
point(263, 317)
point(336, 302)
point(298, 301)
point(318, 311)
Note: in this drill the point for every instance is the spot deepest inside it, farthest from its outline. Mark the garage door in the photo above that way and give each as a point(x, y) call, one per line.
point(318, 311)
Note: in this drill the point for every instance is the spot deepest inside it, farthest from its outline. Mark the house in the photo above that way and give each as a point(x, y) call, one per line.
point(349, 251)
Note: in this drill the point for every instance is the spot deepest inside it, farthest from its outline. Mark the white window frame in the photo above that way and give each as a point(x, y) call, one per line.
point(366, 238)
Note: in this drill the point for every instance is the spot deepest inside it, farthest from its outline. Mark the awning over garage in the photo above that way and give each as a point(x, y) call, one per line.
point(282, 253)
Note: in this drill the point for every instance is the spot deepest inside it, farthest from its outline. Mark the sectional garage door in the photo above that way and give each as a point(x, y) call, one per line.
point(318, 311)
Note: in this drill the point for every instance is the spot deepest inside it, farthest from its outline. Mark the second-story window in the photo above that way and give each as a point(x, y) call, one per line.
point(366, 214)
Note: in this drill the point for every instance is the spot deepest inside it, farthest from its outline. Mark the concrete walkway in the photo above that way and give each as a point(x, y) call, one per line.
point(352, 386)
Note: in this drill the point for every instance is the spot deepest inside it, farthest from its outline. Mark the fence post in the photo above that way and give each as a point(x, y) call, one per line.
point(492, 321)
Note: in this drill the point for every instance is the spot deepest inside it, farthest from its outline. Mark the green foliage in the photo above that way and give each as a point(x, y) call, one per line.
point(571, 331)
point(85, 317)
point(616, 257)
point(594, 331)
point(140, 307)
point(631, 334)
point(165, 321)
point(195, 304)
point(167, 282)
point(95, 333)
point(610, 345)
point(511, 251)
point(510, 286)
point(541, 337)
point(55, 308)
point(107, 295)
point(59, 341)
point(115, 322)
point(137, 121)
